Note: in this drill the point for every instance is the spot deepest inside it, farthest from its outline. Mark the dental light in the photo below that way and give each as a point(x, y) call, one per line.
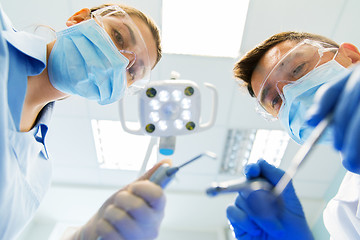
point(170, 108)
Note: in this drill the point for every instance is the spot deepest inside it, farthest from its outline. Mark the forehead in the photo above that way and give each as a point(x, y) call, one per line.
point(148, 38)
point(267, 63)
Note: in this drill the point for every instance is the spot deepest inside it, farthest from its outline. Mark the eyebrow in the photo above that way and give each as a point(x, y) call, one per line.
point(264, 93)
point(132, 35)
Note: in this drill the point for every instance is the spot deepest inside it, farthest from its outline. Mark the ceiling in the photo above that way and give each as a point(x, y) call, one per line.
point(79, 186)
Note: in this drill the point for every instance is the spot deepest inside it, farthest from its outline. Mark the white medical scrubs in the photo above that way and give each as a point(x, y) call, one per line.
point(25, 169)
point(342, 214)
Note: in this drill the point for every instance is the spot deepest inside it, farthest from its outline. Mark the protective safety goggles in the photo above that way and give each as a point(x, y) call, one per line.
point(295, 64)
point(127, 38)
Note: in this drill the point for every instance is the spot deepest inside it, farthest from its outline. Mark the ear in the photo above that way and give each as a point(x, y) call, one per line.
point(349, 51)
point(83, 14)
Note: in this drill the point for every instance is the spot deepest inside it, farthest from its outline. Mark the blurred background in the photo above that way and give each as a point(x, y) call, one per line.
point(202, 40)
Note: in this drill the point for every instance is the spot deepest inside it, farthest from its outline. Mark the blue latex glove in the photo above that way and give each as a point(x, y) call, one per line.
point(343, 98)
point(285, 221)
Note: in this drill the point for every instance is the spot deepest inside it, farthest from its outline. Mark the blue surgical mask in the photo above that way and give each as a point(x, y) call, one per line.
point(85, 62)
point(299, 96)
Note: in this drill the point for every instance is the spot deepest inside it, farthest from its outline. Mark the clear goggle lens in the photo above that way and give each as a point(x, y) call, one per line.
point(127, 38)
point(293, 66)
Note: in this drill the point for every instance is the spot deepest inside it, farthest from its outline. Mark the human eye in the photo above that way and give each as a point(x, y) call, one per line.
point(137, 70)
point(132, 73)
point(275, 102)
point(298, 71)
point(118, 38)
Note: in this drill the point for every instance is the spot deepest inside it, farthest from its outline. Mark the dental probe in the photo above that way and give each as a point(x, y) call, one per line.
point(259, 183)
point(302, 154)
point(164, 174)
point(238, 185)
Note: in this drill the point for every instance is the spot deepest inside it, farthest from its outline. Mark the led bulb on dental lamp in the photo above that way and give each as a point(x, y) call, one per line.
point(169, 108)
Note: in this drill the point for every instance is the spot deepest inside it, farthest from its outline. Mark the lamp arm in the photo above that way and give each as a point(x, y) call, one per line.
point(211, 122)
point(122, 120)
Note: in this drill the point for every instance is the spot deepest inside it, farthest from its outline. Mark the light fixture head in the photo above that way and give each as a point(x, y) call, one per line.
point(174, 97)
point(170, 108)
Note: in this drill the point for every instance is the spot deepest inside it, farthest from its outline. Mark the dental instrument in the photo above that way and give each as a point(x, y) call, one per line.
point(164, 174)
point(237, 185)
point(257, 184)
point(301, 155)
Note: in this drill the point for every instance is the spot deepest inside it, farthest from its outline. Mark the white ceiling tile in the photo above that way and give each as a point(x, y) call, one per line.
point(266, 18)
point(345, 28)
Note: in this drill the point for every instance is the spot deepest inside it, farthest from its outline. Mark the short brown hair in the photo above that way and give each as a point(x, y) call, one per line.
point(146, 19)
point(244, 68)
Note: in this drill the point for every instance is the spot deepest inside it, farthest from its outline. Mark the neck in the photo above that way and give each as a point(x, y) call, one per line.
point(39, 92)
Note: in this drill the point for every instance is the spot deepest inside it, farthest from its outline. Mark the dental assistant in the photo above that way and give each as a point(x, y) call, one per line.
point(103, 52)
point(299, 78)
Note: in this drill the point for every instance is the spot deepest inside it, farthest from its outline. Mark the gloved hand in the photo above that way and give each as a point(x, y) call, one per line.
point(133, 213)
point(287, 221)
point(343, 99)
